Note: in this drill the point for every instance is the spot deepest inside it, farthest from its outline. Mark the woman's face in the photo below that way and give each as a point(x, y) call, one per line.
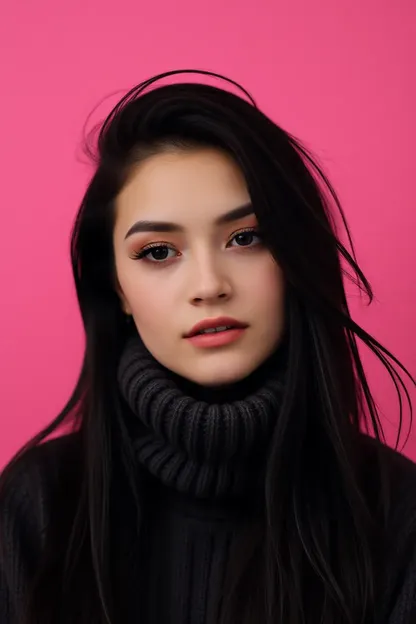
point(187, 250)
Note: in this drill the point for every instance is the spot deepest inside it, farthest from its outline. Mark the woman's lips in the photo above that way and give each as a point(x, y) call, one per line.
point(214, 323)
point(217, 339)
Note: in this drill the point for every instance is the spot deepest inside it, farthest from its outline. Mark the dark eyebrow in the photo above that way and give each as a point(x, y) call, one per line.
point(165, 226)
point(234, 215)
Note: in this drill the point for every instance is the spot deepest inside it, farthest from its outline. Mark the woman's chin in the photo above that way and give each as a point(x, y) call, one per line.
point(219, 374)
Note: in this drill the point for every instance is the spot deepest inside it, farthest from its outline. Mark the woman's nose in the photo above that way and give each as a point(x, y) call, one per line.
point(211, 284)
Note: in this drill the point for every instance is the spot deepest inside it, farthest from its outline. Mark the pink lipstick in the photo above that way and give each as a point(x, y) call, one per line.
point(216, 332)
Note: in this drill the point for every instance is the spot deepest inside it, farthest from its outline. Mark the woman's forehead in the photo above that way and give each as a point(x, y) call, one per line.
point(183, 188)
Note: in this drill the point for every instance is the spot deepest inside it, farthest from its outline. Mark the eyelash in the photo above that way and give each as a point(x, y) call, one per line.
point(143, 253)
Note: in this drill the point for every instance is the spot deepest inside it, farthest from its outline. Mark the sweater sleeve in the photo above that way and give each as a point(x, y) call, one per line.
point(403, 609)
point(7, 612)
point(21, 529)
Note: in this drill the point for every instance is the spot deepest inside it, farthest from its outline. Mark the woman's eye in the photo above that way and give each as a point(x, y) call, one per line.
point(158, 253)
point(246, 238)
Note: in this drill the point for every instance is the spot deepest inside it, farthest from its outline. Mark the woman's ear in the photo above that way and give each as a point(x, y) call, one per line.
point(125, 307)
point(124, 304)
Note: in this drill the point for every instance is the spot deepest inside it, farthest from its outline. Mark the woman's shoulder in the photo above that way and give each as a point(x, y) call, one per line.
point(47, 462)
point(399, 595)
point(399, 471)
point(32, 488)
point(400, 465)
point(397, 461)
point(27, 485)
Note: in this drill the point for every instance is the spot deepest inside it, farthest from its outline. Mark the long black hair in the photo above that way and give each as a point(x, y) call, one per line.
point(315, 559)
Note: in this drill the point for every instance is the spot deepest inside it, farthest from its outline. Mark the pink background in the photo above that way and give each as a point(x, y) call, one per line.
point(341, 77)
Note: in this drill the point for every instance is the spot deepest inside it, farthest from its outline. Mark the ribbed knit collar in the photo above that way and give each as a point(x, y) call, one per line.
point(203, 442)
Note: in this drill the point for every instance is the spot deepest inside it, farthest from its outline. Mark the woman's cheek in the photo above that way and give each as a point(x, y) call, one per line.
point(151, 298)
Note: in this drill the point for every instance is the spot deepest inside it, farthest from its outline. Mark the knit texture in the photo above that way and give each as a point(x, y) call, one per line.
point(210, 448)
point(187, 545)
point(204, 452)
point(200, 455)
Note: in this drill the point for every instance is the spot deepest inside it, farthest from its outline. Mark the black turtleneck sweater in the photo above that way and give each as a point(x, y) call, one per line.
point(200, 457)
point(188, 542)
point(202, 451)
point(187, 548)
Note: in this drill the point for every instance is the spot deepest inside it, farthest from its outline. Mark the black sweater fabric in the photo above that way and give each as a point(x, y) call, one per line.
point(201, 469)
point(188, 542)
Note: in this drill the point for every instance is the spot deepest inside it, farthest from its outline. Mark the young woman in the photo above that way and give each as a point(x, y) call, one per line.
point(226, 462)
